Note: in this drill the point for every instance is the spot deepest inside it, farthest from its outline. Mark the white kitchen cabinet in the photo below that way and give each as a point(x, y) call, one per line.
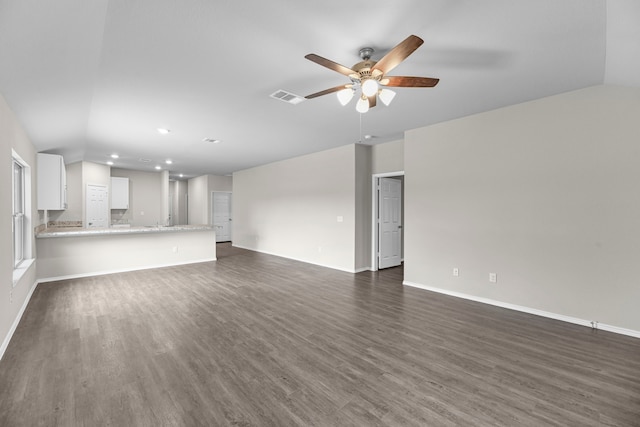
point(119, 193)
point(52, 182)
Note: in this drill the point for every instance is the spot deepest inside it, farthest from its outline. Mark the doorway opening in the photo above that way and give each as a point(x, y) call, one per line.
point(387, 241)
point(221, 215)
point(97, 206)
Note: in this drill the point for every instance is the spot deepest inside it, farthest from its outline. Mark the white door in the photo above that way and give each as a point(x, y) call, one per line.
point(390, 222)
point(97, 206)
point(221, 212)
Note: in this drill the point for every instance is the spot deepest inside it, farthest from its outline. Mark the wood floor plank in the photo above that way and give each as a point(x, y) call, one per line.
point(258, 340)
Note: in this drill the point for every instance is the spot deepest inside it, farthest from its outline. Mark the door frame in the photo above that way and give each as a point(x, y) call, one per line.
point(86, 203)
point(211, 211)
point(375, 180)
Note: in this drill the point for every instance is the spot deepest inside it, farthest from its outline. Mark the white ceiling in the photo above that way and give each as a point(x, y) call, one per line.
point(90, 78)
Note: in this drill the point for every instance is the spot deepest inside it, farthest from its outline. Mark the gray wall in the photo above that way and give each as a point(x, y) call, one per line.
point(387, 157)
point(291, 208)
point(179, 190)
point(363, 188)
point(13, 298)
point(145, 197)
point(545, 194)
point(200, 189)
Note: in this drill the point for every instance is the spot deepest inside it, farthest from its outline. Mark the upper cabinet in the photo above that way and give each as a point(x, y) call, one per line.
point(52, 182)
point(119, 193)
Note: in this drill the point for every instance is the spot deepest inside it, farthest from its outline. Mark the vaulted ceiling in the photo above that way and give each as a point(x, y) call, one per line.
point(92, 78)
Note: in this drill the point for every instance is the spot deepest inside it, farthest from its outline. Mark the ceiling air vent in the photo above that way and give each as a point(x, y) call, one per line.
point(288, 97)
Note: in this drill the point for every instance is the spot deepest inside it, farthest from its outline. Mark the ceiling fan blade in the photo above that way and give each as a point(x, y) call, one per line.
point(372, 101)
point(398, 54)
point(330, 64)
point(327, 91)
point(404, 81)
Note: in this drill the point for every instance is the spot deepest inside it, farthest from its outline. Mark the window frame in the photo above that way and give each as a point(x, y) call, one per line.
point(25, 231)
point(18, 212)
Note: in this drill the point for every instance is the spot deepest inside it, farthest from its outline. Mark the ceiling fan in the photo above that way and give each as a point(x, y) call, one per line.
point(371, 76)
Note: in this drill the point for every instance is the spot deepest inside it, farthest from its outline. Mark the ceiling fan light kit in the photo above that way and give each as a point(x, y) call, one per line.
point(386, 96)
point(345, 95)
point(369, 87)
point(369, 76)
point(363, 104)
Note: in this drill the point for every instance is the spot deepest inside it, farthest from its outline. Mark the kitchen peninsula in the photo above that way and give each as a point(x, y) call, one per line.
point(67, 252)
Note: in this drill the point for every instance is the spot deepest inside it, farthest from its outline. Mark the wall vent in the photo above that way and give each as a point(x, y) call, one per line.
point(288, 97)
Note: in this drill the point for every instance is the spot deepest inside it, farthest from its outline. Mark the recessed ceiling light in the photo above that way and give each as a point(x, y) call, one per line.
point(163, 131)
point(158, 167)
point(114, 156)
point(212, 140)
point(168, 161)
point(110, 163)
point(181, 175)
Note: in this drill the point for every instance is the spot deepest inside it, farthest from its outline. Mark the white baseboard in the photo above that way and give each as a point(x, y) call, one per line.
point(7, 339)
point(124, 270)
point(347, 270)
point(529, 310)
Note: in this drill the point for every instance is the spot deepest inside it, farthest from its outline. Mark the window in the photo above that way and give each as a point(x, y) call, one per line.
point(18, 213)
point(21, 216)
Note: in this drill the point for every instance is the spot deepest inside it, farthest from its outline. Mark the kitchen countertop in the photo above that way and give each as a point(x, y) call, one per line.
point(80, 231)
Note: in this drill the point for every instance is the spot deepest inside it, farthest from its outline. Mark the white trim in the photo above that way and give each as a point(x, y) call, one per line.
point(87, 201)
point(374, 213)
point(124, 270)
point(346, 270)
point(16, 322)
point(211, 212)
point(27, 245)
point(529, 310)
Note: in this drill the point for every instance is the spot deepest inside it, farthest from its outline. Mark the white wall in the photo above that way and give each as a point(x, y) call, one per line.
point(545, 194)
point(290, 208)
point(77, 256)
point(12, 299)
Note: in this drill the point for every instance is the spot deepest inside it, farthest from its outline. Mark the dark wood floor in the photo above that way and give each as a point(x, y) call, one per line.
point(254, 339)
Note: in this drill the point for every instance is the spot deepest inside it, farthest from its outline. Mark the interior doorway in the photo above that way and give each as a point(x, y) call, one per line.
point(97, 206)
point(387, 248)
point(221, 215)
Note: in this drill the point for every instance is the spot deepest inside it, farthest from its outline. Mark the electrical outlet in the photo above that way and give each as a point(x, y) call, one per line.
point(493, 278)
point(456, 272)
